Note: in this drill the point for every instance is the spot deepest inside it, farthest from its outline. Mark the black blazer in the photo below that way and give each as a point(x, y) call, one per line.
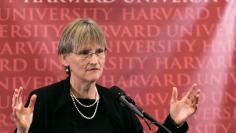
point(50, 113)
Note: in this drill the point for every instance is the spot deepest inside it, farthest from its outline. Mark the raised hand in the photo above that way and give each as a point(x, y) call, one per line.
point(181, 110)
point(22, 115)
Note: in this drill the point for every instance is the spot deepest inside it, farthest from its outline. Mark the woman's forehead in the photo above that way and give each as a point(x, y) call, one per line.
point(90, 46)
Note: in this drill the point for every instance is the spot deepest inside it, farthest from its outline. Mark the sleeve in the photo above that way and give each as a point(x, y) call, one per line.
point(169, 123)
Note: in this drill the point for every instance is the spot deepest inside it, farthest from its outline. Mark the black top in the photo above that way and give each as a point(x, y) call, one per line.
point(54, 112)
point(99, 124)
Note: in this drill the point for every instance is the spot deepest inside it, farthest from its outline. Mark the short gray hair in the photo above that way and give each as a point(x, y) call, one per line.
point(78, 34)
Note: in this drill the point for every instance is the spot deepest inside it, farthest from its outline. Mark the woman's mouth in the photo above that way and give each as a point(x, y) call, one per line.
point(93, 69)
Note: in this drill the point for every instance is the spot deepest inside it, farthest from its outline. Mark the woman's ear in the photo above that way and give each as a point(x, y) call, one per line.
point(64, 62)
point(62, 59)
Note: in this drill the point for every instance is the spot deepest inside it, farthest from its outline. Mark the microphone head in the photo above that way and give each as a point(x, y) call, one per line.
point(118, 92)
point(125, 100)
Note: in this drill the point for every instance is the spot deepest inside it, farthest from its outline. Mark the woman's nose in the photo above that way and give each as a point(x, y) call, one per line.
point(93, 58)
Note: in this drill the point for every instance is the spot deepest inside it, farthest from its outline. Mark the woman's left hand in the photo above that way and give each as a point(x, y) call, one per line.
point(181, 110)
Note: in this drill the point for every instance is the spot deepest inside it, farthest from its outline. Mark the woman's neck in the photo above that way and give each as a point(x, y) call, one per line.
point(86, 90)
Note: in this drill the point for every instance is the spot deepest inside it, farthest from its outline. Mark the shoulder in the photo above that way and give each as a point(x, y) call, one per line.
point(51, 96)
point(51, 89)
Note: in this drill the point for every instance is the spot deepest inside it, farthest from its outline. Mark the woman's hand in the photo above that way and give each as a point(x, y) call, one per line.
point(22, 115)
point(181, 110)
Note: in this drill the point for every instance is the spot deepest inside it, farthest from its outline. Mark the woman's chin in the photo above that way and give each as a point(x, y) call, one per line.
point(93, 78)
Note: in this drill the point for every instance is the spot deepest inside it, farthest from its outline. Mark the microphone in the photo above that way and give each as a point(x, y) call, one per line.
point(128, 102)
point(125, 100)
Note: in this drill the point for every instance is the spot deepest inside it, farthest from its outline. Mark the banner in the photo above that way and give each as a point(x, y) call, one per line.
point(153, 45)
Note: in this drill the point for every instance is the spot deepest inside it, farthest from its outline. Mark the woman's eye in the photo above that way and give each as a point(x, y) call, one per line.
point(99, 51)
point(84, 52)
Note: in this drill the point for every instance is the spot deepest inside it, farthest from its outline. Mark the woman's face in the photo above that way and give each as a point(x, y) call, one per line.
point(87, 64)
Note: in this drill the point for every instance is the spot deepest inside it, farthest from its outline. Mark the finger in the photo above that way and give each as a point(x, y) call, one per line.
point(196, 100)
point(196, 91)
point(15, 97)
point(174, 95)
point(13, 100)
point(195, 107)
point(20, 95)
point(16, 114)
point(196, 97)
point(191, 91)
point(32, 102)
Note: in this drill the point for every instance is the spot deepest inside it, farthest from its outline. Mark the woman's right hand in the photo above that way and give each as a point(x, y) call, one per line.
point(22, 115)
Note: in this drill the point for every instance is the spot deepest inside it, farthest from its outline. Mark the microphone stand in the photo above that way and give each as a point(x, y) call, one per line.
point(152, 120)
point(130, 103)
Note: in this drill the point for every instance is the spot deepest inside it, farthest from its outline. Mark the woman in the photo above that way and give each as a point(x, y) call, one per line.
point(79, 105)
